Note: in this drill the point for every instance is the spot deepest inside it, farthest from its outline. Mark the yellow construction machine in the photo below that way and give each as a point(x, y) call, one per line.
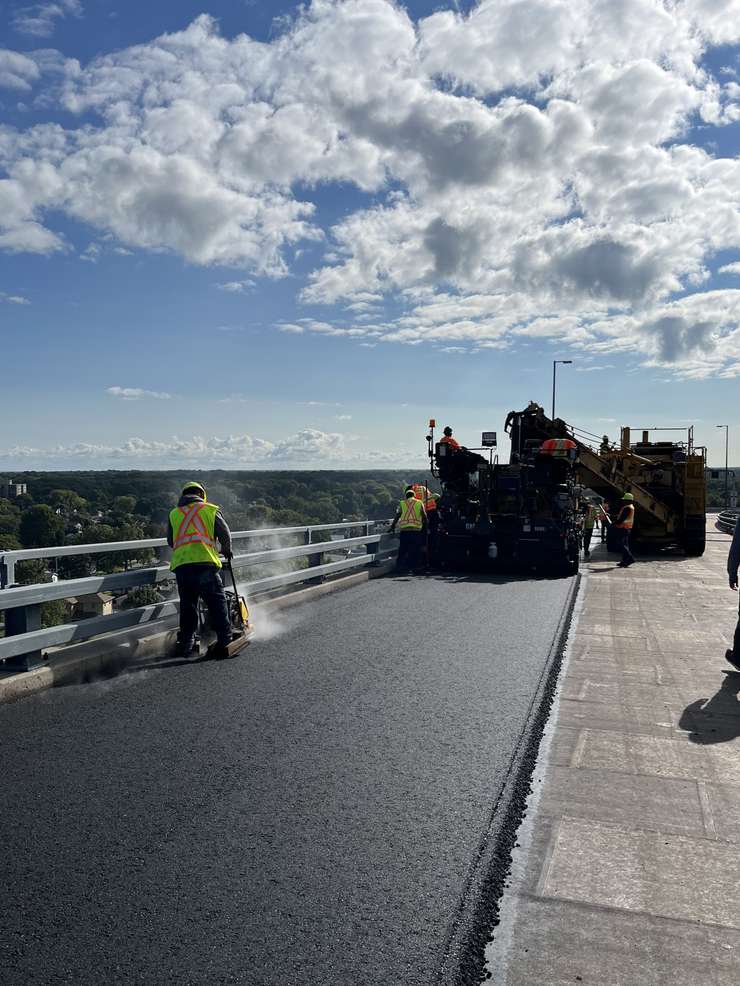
point(666, 478)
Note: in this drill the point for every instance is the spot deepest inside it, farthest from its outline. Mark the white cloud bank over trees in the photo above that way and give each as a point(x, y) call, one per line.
point(309, 448)
point(535, 167)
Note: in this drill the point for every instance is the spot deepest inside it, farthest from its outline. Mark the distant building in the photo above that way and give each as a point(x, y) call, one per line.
point(95, 604)
point(11, 490)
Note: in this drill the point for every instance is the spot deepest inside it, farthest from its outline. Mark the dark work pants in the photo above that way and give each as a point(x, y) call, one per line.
point(196, 582)
point(409, 551)
point(624, 544)
point(432, 535)
point(736, 642)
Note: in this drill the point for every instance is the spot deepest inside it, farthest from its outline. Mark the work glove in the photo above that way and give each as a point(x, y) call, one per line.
point(228, 555)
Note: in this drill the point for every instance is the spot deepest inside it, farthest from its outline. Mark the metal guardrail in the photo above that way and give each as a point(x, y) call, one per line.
point(727, 521)
point(25, 639)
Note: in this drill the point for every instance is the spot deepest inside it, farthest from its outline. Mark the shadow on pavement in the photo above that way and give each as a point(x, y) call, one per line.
point(714, 720)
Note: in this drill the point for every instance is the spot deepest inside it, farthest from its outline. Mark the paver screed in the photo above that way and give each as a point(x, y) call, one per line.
point(629, 868)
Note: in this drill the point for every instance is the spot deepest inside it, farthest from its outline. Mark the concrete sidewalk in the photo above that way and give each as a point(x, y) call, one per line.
point(629, 868)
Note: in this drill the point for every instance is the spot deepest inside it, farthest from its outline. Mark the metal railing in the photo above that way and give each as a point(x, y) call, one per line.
point(727, 520)
point(25, 639)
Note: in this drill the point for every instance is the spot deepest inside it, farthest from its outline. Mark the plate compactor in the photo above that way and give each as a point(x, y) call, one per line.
point(242, 628)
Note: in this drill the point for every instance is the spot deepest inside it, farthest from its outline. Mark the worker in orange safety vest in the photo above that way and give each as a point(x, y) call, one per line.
point(447, 439)
point(429, 499)
point(624, 523)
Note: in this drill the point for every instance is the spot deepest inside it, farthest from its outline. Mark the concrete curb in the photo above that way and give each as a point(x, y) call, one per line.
point(463, 956)
point(110, 655)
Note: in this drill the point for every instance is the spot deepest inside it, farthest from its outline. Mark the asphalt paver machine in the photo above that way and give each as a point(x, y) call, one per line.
point(666, 478)
point(521, 515)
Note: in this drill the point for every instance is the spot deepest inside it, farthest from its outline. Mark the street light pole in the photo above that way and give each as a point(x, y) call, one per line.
point(554, 367)
point(727, 464)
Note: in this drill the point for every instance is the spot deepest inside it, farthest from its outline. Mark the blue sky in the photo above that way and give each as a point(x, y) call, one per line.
point(236, 234)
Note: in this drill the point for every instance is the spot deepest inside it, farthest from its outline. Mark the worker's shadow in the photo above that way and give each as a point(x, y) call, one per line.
point(716, 720)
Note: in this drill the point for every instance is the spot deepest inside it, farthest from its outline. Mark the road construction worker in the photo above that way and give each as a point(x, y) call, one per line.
point(411, 518)
point(429, 500)
point(194, 528)
point(588, 512)
point(623, 524)
point(733, 561)
point(447, 439)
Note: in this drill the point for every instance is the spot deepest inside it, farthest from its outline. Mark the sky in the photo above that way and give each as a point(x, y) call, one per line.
point(244, 234)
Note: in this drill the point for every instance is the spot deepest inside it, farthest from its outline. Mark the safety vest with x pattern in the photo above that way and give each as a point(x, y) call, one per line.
point(194, 535)
point(412, 514)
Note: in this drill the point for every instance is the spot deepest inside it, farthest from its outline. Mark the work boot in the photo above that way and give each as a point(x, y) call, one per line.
point(731, 659)
point(185, 648)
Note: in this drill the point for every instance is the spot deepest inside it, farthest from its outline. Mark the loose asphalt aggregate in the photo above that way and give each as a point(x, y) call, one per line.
point(307, 813)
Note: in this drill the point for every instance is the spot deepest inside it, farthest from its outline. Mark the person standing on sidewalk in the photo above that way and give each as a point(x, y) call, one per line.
point(624, 523)
point(604, 519)
point(733, 561)
point(588, 512)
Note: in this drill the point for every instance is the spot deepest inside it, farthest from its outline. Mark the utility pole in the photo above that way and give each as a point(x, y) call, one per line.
point(727, 464)
point(554, 367)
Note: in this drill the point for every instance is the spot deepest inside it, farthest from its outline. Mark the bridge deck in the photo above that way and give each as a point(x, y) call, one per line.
point(304, 814)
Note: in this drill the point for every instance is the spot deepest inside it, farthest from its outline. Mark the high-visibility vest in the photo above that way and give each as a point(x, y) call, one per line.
point(412, 514)
point(423, 493)
point(194, 535)
point(626, 517)
point(449, 440)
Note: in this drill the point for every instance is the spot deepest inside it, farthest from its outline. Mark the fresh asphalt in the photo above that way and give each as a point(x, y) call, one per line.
point(304, 815)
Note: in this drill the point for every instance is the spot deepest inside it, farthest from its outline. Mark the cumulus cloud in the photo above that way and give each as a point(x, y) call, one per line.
point(533, 166)
point(307, 448)
point(14, 299)
point(17, 71)
point(39, 20)
point(137, 394)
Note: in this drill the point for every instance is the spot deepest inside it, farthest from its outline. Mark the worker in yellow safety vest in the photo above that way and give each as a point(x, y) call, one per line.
point(624, 523)
point(194, 532)
point(411, 518)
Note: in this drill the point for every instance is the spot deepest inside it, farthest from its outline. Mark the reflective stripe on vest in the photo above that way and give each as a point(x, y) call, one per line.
point(412, 513)
point(628, 518)
point(193, 535)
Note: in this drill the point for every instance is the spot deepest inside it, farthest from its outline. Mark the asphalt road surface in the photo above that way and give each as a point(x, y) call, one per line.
point(304, 814)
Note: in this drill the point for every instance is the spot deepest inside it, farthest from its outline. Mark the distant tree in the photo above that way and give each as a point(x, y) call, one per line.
point(32, 572)
point(53, 613)
point(10, 517)
point(142, 595)
point(40, 527)
point(67, 502)
point(9, 542)
point(123, 505)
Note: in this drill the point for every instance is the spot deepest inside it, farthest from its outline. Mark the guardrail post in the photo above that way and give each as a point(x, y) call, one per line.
point(314, 560)
point(23, 620)
point(7, 572)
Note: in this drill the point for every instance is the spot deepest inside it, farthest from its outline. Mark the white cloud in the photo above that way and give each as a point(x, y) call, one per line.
point(17, 71)
point(39, 19)
point(730, 269)
point(236, 287)
point(137, 394)
point(14, 299)
point(532, 163)
point(307, 448)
